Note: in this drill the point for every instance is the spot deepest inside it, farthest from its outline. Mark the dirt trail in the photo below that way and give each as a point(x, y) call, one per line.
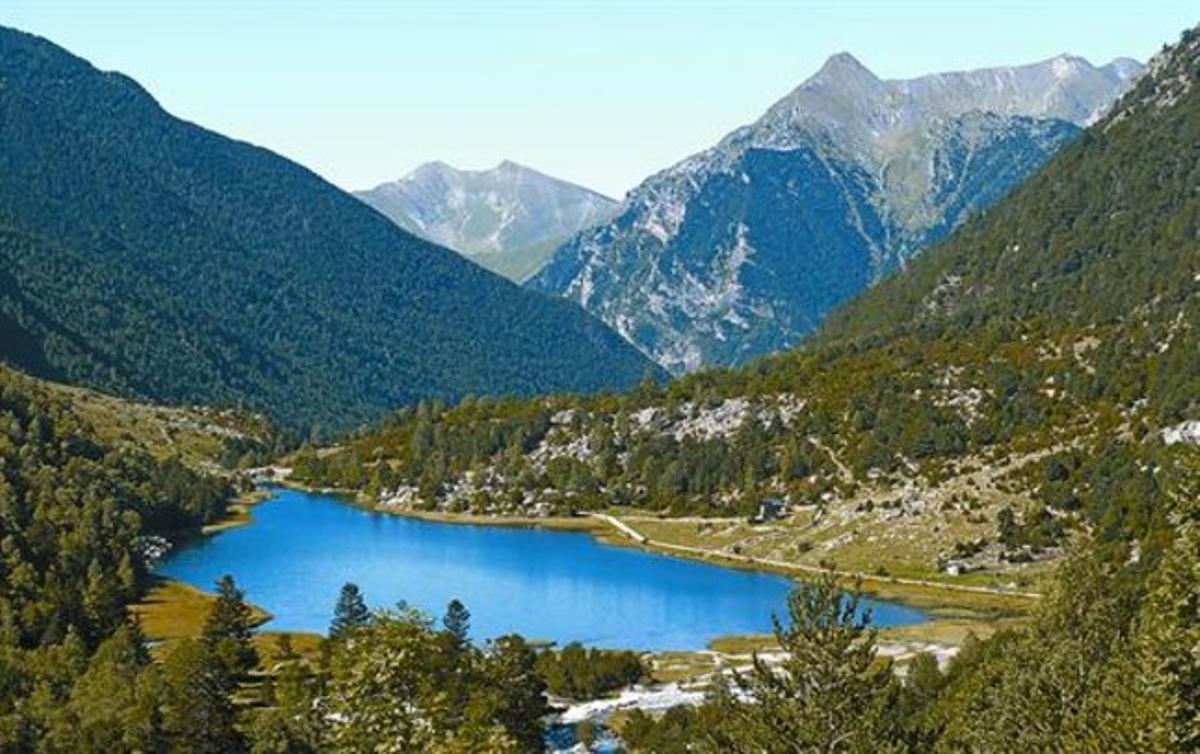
point(640, 538)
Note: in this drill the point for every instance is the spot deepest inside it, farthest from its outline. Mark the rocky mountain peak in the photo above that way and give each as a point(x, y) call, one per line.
point(508, 218)
point(1123, 68)
point(742, 249)
point(842, 69)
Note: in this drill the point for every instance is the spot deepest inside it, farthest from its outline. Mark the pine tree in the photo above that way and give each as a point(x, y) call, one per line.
point(830, 693)
point(108, 709)
point(457, 622)
point(350, 612)
point(457, 660)
point(511, 668)
point(229, 629)
point(101, 600)
point(198, 712)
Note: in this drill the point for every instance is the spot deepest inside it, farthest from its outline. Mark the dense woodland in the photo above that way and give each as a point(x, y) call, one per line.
point(146, 256)
point(76, 517)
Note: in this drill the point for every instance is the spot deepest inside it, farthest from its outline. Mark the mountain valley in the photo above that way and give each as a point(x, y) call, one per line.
point(912, 367)
point(146, 256)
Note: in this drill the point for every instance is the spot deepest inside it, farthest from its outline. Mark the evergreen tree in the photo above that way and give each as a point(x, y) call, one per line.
point(460, 669)
point(457, 622)
point(111, 707)
point(229, 629)
point(520, 691)
point(197, 711)
point(350, 612)
point(830, 692)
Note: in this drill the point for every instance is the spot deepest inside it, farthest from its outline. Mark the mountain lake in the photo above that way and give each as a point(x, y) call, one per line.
point(300, 547)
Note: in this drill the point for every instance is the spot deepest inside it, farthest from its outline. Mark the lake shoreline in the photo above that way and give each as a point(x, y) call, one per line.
point(181, 603)
point(949, 609)
point(170, 609)
point(440, 564)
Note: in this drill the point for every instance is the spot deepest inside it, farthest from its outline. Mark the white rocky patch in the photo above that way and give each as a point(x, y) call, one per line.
point(701, 422)
point(152, 548)
point(403, 496)
point(1187, 433)
point(646, 698)
point(704, 424)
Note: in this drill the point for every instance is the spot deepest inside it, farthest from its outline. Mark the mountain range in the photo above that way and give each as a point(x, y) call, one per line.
point(509, 219)
point(1002, 433)
point(147, 256)
point(743, 249)
point(1028, 383)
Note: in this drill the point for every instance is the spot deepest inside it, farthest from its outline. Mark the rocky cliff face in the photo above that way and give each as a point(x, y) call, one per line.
point(744, 248)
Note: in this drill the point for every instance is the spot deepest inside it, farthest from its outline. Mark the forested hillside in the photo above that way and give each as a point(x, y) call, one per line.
point(1011, 387)
point(147, 256)
point(1027, 391)
point(78, 519)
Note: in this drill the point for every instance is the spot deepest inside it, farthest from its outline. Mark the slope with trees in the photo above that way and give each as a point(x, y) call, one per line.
point(1014, 385)
point(149, 257)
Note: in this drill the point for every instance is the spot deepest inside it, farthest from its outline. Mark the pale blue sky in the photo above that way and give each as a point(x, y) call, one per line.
point(602, 93)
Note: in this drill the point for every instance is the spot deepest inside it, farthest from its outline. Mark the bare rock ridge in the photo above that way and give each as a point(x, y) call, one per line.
point(744, 248)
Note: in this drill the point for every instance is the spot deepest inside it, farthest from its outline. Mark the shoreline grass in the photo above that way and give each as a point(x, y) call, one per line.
point(171, 610)
point(238, 513)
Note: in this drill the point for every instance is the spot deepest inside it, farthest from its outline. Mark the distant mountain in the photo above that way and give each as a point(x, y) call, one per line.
point(150, 257)
point(743, 249)
point(509, 219)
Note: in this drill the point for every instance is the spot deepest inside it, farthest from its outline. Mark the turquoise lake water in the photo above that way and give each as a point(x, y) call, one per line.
point(548, 585)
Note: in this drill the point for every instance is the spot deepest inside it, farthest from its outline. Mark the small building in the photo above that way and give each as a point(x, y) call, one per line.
point(770, 509)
